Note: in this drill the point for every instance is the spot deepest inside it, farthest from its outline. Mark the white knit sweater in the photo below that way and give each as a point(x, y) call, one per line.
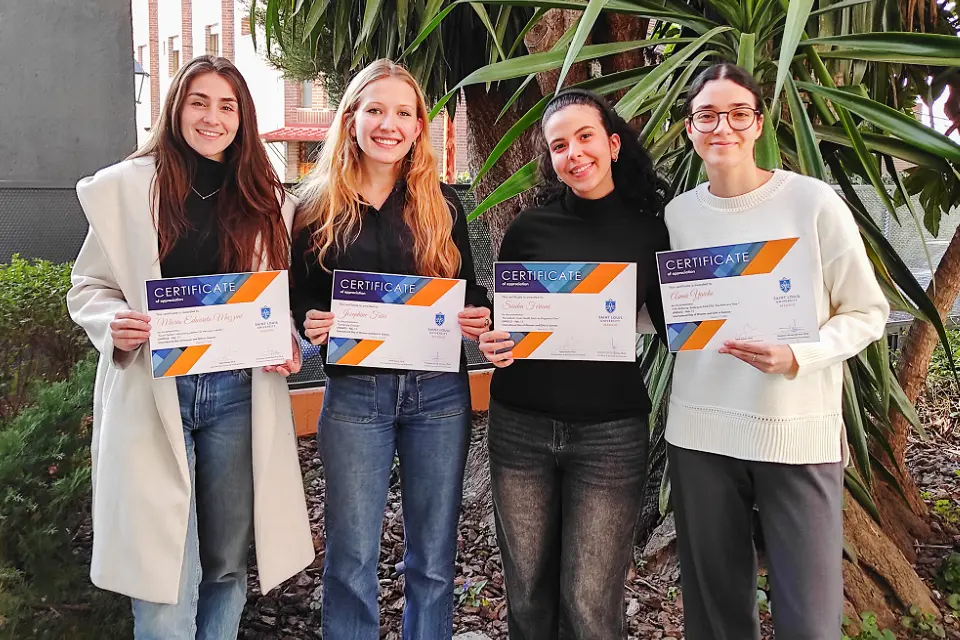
point(722, 405)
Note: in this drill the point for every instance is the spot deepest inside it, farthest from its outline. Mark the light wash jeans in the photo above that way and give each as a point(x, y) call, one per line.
point(215, 409)
point(425, 419)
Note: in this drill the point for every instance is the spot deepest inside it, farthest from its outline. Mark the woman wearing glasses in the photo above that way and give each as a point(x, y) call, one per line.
point(760, 424)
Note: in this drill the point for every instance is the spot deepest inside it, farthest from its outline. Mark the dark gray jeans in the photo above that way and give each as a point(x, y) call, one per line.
point(566, 496)
point(800, 509)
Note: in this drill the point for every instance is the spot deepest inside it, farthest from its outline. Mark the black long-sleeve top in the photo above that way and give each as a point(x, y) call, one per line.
point(385, 245)
point(197, 252)
point(576, 230)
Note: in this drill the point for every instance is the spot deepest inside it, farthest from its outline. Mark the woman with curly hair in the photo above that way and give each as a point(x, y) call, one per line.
point(568, 439)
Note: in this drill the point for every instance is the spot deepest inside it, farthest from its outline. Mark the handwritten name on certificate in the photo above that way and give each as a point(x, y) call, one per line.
point(395, 321)
point(568, 310)
point(203, 324)
point(758, 291)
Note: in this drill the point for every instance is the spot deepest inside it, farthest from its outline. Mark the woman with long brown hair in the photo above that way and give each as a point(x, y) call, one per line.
point(188, 470)
point(373, 203)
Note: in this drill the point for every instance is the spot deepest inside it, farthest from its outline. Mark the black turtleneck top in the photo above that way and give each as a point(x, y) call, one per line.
point(576, 230)
point(197, 252)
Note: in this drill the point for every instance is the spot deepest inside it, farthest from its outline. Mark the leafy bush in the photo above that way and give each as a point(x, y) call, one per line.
point(45, 490)
point(939, 366)
point(38, 340)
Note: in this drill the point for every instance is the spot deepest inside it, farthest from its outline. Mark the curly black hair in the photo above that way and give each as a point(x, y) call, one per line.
point(634, 175)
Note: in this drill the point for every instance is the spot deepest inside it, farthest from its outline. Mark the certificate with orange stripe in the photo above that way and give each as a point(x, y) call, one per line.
point(392, 321)
point(757, 291)
point(203, 324)
point(568, 310)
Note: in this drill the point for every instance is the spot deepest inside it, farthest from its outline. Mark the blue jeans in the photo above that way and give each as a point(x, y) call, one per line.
point(216, 414)
point(425, 419)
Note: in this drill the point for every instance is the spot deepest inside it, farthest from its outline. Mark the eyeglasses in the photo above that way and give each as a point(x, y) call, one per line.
point(707, 121)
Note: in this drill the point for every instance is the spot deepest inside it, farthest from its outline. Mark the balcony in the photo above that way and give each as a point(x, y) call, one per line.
point(321, 117)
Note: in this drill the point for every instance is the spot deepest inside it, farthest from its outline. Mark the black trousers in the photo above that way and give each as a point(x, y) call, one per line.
point(566, 496)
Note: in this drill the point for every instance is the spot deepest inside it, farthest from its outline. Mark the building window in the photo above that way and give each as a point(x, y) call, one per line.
point(306, 94)
point(245, 26)
point(212, 40)
point(173, 49)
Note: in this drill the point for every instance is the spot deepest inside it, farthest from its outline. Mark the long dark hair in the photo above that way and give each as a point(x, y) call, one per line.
point(723, 71)
point(634, 176)
point(248, 208)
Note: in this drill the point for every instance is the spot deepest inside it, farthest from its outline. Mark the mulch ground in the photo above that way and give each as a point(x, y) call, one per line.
point(653, 599)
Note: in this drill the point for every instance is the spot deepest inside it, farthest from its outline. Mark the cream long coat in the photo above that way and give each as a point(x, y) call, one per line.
point(141, 484)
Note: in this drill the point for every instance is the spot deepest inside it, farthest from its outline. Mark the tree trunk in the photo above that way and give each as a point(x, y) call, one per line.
point(878, 578)
point(485, 132)
point(543, 36)
point(906, 523)
point(620, 27)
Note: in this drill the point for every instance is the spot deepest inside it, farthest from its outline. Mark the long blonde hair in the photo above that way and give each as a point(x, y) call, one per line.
point(330, 200)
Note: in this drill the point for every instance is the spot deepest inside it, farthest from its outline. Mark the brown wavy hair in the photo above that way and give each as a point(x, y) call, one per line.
point(250, 225)
point(330, 200)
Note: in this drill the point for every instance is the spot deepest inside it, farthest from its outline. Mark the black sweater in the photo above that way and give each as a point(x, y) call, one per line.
point(197, 252)
point(384, 245)
point(578, 230)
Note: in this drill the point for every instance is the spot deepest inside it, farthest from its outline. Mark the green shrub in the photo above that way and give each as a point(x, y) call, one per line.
point(45, 486)
point(38, 340)
point(939, 366)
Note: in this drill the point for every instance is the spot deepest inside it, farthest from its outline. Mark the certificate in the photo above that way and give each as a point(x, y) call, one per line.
point(756, 291)
point(203, 324)
point(395, 321)
point(568, 310)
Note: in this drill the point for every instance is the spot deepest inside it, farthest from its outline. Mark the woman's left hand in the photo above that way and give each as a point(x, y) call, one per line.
point(769, 358)
point(289, 367)
point(474, 322)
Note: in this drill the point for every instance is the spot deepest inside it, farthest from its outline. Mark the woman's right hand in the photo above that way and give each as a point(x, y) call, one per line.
point(496, 347)
point(129, 330)
point(317, 326)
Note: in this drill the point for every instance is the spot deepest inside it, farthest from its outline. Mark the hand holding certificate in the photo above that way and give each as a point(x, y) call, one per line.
point(756, 291)
point(395, 321)
point(213, 323)
point(568, 311)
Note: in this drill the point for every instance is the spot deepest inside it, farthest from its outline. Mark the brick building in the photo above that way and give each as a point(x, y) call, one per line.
point(293, 117)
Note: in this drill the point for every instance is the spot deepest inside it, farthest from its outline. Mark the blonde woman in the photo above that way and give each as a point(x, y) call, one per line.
point(187, 471)
point(373, 203)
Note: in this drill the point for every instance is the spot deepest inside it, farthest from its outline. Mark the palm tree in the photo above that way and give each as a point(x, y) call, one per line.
point(309, 38)
point(840, 79)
